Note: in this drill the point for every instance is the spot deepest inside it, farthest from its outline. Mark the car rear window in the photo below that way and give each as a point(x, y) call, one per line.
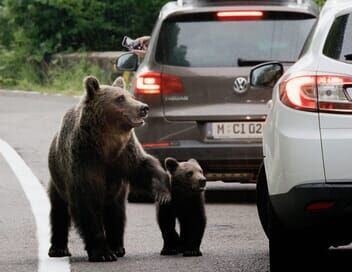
point(338, 44)
point(202, 40)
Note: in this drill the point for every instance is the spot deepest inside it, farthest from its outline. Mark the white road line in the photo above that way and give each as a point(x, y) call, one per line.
point(40, 205)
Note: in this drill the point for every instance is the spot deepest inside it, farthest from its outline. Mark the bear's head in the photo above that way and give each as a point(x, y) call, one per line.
point(113, 104)
point(186, 175)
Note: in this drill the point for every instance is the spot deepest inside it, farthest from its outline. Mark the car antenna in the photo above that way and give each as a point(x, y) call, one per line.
point(180, 3)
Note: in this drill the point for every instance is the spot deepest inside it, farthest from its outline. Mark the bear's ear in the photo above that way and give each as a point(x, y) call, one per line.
point(119, 82)
point(91, 85)
point(171, 164)
point(193, 161)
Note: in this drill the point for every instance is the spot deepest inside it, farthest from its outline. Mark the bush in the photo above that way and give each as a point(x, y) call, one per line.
point(320, 2)
point(66, 79)
point(32, 30)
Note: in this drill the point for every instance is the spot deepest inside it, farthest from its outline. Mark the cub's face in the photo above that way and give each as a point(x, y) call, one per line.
point(115, 104)
point(187, 175)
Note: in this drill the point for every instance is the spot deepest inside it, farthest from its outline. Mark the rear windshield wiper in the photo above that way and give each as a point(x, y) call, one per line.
point(249, 62)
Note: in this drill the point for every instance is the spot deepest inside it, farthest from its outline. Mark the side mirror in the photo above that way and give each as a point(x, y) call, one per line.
point(127, 62)
point(266, 74)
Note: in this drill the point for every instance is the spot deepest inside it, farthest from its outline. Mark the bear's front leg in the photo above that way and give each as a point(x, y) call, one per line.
point(161, 186)
point(87, 211)
point(114, 220)
point(167, 223)
point(60, 223)
point(150, 176)
point(191, 236)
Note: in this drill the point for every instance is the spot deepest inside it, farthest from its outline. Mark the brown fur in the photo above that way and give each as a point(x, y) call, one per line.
point(92, 159)
point(187, 206)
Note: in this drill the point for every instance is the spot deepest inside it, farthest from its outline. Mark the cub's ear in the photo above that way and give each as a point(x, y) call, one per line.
point(91, 85)
point(171, 164)
point(193, 161)
point(119, 82)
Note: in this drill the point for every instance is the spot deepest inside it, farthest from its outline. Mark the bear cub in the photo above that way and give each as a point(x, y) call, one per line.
point(187, 206)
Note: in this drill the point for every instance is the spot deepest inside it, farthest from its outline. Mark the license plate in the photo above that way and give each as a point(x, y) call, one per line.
point(235, 130)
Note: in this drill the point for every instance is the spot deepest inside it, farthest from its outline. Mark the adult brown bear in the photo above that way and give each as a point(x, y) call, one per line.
point(92, 159)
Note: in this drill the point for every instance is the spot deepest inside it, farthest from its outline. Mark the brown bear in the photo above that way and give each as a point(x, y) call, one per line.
point(92, 159)
point(186, 205)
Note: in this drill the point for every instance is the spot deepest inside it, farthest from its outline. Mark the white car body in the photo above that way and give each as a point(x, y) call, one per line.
point(303, 147)
point(304, 187)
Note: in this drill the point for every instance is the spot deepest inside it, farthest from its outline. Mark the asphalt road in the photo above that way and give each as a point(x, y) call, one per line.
point(234, 240)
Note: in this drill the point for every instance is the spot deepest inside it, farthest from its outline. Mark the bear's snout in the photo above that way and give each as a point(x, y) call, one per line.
point(143, 110)
point(202, 183)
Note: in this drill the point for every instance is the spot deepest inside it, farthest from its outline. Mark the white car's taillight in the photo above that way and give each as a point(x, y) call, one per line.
point(326, 93)
point(334, 93)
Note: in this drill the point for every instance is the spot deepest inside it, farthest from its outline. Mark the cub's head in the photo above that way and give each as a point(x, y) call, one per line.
point(114, 104)
point(187, 175)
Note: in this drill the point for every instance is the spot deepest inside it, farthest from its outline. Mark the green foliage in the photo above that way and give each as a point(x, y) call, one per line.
point(59, 25)
point(63, 79)
point(32, 30)
point(320, 2)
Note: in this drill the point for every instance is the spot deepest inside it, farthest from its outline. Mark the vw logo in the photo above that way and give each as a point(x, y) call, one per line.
point(240, 85)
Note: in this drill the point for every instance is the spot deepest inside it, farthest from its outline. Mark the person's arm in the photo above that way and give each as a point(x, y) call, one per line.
point(144, 42)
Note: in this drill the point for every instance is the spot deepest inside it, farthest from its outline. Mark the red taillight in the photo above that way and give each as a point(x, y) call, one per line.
point(171, 84)
point(318, 206)
point(148, 83)
point(156, 145)
point(299, 93)
point(326, 93)
point(156, 83)
point(244, 14)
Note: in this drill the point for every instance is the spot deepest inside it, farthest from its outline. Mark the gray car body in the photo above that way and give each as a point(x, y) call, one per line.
point(183, 124)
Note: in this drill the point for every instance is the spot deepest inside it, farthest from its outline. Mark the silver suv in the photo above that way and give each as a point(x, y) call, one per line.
point(195, 79)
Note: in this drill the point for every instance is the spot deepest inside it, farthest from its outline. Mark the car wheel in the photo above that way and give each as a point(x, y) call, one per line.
point(262, 198)
point(282, 246)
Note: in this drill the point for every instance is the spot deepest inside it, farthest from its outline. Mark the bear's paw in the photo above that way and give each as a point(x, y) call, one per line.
point(169, 251)
point(192, 253)
point(119, 252)
point(59, 252)
point(102, 255)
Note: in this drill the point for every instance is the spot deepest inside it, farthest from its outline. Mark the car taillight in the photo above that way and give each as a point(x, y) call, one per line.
point(326, 93)
point(155, 83)
point(239, 14)
point(148, 83)
point(334, 93)
point(299, 93)
point(156, 145)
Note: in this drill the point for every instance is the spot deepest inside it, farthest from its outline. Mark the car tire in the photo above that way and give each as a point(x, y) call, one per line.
point(262, 196)
point(287, 250)
point(283, 246)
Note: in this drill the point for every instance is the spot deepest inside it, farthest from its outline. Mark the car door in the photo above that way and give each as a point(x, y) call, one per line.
point(335, 100)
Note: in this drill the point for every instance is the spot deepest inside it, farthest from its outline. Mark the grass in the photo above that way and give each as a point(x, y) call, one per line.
point(59, 78)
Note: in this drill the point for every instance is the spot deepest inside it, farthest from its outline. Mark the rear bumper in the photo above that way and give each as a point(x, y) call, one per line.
point(333, 223)
point(228, 162)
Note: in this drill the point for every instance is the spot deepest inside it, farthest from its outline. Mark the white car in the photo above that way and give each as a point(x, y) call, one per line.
point(304, 187)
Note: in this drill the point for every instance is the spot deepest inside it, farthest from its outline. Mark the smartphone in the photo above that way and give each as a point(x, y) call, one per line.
point(130, 44)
